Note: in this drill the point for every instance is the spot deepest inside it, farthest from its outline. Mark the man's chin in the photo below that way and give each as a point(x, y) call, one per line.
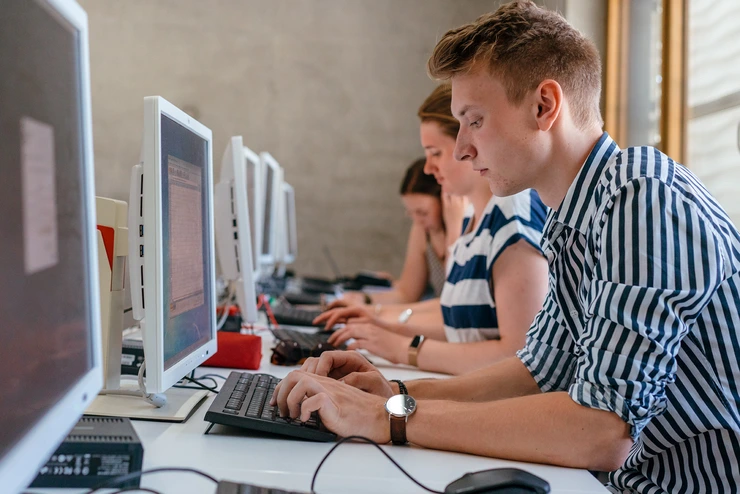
point(502, 188)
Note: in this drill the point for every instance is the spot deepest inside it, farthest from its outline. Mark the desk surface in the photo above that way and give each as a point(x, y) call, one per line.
point(255, 458)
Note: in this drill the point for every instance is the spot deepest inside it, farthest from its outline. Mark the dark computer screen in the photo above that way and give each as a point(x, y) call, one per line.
point(188, 304)
point(45, 325)
point(268, 213)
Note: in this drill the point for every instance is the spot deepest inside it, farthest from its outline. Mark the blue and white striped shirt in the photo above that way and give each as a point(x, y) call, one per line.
point(642, 317)
point(468, 308)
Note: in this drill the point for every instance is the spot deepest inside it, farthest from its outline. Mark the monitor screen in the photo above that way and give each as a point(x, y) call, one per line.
point(46, 325)
point(252, 184)
point(268, 213)
point(185, 245)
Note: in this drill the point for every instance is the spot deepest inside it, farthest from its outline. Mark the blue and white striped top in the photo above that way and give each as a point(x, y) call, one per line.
point(642, 318)
point(468, 308)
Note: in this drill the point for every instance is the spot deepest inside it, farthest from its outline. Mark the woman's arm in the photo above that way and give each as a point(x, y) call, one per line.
point(413, 281)
point(519, 280)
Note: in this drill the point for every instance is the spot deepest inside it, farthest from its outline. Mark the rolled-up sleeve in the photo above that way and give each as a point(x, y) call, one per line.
point(548, 352)
point(655, 268)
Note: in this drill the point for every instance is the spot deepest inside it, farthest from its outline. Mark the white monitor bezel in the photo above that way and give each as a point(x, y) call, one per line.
point(22, 463)
point(268, 261)
point(232, 217)
point(250, 155)
point(158, 379)
point(289, 225)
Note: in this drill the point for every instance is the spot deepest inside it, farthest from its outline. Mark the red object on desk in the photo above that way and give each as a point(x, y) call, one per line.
point(237, 351)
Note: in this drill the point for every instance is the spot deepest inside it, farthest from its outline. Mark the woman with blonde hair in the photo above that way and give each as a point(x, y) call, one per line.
point(496, 274)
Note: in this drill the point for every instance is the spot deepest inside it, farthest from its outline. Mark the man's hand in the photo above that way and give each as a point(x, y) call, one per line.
point(344, 410)
point(375, 339)
point(351, 368)
point(342, 315)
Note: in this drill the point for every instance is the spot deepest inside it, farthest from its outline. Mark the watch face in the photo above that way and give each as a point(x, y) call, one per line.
point(400, 405)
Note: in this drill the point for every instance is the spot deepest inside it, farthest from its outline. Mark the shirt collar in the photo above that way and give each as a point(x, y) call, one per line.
point(578, 206)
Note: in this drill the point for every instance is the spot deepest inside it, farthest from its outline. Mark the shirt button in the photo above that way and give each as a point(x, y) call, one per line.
point(574, 313)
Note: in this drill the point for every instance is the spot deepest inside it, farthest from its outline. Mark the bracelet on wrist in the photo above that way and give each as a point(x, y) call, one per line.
point(402, 389)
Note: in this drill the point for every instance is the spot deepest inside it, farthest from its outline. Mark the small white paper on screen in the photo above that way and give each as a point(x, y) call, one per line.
point(40, 240)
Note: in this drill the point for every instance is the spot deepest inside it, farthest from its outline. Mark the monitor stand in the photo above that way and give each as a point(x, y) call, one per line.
point(181, 403)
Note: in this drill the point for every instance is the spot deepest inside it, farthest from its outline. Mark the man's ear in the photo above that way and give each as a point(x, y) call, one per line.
point(549, 99)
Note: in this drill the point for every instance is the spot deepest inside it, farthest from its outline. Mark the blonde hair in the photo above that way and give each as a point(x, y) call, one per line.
point(436, 108)
point(523, 45)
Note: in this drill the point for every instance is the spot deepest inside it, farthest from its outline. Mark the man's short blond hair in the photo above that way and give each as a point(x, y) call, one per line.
point(523, 45)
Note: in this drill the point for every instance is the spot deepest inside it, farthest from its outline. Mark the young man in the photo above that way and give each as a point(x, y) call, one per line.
point(632, 365)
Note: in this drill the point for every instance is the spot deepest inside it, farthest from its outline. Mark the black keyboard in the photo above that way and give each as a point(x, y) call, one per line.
point(301, 298)
point(244, 401)
point(293, 316)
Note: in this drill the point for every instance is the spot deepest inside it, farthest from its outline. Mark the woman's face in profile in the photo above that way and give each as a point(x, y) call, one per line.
point(455, 177)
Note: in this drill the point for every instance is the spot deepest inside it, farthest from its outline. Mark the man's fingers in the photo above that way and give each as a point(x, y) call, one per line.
point(319, 402)
point(309, 366)
point(337, 364)
point(280, 395)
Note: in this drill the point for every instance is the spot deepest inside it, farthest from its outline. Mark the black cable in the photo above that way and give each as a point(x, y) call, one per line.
point(128, 310)
point(370, 441)
point(125, 478)
point(198, 385)
point(212, 375)
point(132, 489)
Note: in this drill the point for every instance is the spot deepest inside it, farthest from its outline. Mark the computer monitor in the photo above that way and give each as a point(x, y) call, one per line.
point(254, 204)
point(271, 192)
point(289, 225)
point(171, 244)
point(50, 357)
point(233, 229)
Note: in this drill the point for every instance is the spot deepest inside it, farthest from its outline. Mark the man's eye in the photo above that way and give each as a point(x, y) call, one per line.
point(476, 123)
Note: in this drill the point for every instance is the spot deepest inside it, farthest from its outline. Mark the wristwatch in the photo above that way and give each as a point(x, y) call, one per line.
point(414, 349)
point(403, 317)
point(399, 408)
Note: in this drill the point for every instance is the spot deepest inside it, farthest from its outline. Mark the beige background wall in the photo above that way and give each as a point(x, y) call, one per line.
point(329, 87)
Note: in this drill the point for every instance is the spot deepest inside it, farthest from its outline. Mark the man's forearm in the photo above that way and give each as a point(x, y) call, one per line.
point(506, 379)
point(546, 428)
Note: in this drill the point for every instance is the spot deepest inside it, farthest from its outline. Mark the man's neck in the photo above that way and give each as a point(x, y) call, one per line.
point(479, 199)
point(569, 153)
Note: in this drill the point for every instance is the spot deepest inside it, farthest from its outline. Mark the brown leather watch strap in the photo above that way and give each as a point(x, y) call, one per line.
point(398, 430)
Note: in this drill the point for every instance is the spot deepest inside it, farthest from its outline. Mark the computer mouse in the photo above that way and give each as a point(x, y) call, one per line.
point(498, 481)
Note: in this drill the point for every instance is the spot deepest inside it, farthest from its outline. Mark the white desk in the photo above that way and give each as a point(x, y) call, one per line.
point(255, 458)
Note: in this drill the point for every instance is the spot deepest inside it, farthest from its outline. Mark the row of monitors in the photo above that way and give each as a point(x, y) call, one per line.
point(255, 184)
point(50, 315)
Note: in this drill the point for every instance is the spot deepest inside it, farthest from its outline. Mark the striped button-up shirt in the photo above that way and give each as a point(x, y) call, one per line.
point(642, 317)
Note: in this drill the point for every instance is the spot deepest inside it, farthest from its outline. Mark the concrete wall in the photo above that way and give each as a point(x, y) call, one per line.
point(329, 87)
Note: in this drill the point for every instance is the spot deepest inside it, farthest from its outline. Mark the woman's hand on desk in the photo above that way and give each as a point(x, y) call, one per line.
point(372, 337)
point(344, 410)
point(349, 299)
point(343, 315)
point(353, 369)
